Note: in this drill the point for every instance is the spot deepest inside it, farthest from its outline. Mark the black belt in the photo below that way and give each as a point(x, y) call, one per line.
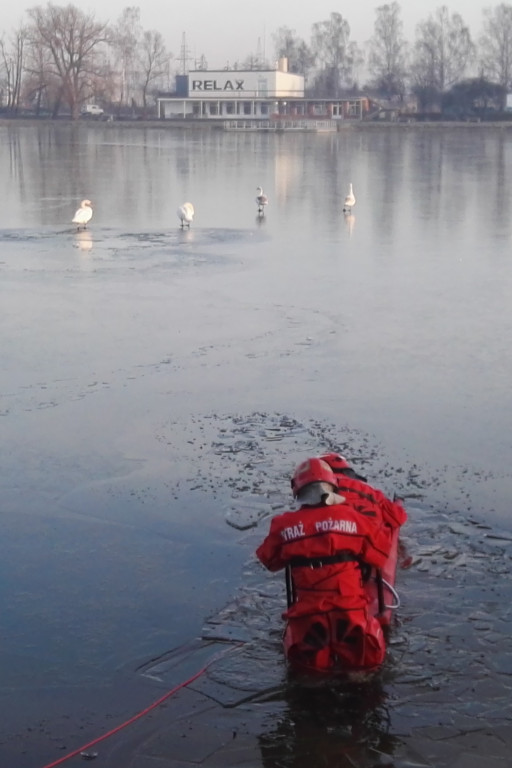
point(319, 562)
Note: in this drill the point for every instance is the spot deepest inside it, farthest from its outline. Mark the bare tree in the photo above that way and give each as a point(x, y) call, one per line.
point(126, 40)
point(153, 61)
point(12, 59)
point(495, 45)
point(41, 87)
point(288, 45)
point(442, 52)
point(338, 56)
point(252, 61)
point(388, 51)
point(71, 38)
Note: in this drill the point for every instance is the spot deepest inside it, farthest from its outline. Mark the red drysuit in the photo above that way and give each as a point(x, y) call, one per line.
point(364, 497)
point(328, 623)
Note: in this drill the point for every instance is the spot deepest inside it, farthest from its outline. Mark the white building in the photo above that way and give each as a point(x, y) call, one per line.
point(266, 98)
point(229, 94)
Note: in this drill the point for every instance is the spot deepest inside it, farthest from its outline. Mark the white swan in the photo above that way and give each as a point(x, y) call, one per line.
point(83, 214)
point(350, 201)
point(261, 200)
point(185, 214)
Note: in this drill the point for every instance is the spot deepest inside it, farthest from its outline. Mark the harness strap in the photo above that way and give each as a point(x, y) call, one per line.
point(319, 562)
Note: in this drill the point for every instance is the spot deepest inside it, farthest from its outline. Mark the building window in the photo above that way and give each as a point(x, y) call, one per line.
point(230, 108)
point(247, 108)
point(264, 109)
point(262, 86)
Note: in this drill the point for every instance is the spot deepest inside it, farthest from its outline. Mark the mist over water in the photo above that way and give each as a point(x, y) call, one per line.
point(159, 385)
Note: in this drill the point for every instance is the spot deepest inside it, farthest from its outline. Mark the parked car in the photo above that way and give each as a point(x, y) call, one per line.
point(91, 110)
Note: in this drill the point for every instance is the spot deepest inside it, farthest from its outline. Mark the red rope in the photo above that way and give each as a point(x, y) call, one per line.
point(139, 714)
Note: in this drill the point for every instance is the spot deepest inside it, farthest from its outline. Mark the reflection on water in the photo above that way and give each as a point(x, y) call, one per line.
point(437, 176)
point(186, 235)
point(350, 221)
point(331, 726)
point(155, 405)
point(83, 240)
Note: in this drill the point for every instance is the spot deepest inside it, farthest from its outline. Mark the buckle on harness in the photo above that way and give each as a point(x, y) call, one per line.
point(320, 562)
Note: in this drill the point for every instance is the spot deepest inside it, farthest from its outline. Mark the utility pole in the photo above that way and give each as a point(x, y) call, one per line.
point(184, 55)
point(259, 54)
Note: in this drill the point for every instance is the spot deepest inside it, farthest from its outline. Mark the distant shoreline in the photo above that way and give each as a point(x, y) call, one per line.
point(182, 125)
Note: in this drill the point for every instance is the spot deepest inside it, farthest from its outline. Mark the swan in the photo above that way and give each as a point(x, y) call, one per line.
point(185, 214)
point(261, 200)
point(83, 214)
point(350, 200)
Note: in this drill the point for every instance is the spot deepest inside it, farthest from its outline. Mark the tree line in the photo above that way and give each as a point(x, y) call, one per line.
point(61, 57)
point(443, 66)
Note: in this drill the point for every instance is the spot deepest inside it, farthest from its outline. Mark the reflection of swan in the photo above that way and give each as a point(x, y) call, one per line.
point(83, 214)
point(185, 214)
point(83, 240)
point(350, 201)
point(186, 235)
point(261, 200)
point(350, 220)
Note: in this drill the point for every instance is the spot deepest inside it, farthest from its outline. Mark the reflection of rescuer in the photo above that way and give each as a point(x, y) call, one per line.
point(327, 547)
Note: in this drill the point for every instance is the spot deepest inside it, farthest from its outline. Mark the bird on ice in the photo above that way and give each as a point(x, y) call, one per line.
point(350, 200)
point(261, 200)
point(83, 214)
point(185, 214)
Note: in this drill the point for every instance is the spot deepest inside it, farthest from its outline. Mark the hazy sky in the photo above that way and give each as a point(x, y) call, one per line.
point(229, 30)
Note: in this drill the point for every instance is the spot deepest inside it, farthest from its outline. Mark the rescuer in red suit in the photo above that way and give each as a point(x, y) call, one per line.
point(358, 492)
point(323, 545)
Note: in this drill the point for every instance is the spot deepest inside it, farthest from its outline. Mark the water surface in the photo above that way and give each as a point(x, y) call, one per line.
point(159, 385)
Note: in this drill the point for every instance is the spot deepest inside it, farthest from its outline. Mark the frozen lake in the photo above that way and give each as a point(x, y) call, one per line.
point(159, 385)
